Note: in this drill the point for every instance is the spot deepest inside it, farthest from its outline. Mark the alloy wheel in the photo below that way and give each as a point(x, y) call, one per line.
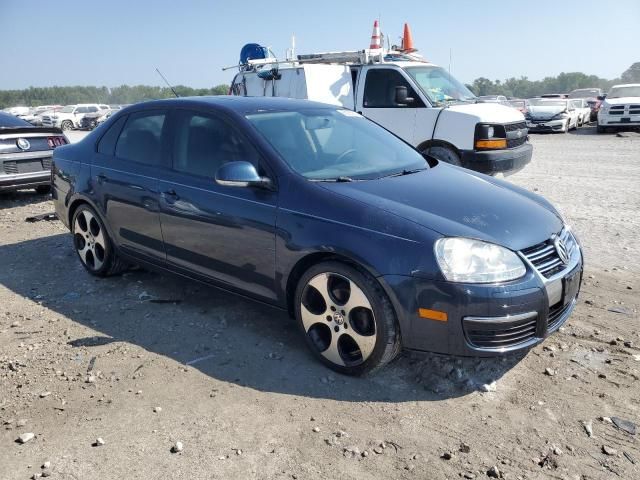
point(89, 240)
point(338, 318)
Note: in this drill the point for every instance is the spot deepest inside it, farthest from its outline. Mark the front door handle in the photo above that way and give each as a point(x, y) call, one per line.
point(170, 195)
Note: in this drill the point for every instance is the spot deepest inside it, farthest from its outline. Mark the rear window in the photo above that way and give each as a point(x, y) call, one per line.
point(7, 121)
point(107, 143)
point(140, 139)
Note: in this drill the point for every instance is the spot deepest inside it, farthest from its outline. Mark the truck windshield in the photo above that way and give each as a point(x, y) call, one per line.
point(624, 91)
point(440, 87)
point(336, 145)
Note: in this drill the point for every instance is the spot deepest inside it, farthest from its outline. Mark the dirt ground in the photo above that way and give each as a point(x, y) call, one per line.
point(84, 358)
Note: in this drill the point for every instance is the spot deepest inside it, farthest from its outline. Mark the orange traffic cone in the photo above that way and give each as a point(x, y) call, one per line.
point(407, 40)
point(375, 37)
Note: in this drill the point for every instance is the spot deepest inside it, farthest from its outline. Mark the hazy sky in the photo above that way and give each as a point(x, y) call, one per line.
point(114, 42)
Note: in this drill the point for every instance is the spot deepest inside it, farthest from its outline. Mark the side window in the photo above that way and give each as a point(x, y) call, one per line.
point(81, 110)
point(107, 143)
point(92, 109)
point(380, 89)
point(203, 143)
point(140, 140)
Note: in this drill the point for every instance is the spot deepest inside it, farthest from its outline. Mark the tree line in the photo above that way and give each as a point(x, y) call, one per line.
point(565, 82)
point(512, 87)
point(124, 94)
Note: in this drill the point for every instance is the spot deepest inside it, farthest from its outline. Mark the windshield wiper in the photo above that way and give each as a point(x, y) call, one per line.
point(404, 172)
point(337, 179)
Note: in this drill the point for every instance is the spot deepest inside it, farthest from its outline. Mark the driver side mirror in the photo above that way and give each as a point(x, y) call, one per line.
point(402, 97)
point(241, 174)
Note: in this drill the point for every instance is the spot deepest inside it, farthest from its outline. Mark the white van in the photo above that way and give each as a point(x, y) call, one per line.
point(417, 100)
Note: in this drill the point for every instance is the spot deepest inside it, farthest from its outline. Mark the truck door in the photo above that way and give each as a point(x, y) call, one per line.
point(377, 101)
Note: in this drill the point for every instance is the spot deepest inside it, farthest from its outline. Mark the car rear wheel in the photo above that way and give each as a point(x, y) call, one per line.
point(347, 319)
point(66, 125)
point(93, 245)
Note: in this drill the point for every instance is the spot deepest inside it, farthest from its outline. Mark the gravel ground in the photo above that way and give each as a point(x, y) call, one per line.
point(108, 381)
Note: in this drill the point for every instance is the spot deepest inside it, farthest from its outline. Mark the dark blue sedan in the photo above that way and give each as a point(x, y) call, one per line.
point(315, 209)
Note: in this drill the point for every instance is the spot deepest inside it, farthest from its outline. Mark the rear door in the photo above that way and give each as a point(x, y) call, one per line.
point(124, 175)
point(222, 233)
point(377, 101)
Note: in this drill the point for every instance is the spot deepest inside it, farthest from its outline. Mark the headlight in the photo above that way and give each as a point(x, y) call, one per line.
point(473, 261)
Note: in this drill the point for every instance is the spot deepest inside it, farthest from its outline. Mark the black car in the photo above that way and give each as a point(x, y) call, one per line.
point(25, 154)
point(315, 209)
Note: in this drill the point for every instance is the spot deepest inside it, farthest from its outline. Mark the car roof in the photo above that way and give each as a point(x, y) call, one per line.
point(237, 104)
point(8, 120)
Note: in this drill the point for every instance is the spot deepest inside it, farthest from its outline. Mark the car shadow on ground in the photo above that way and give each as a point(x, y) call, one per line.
point(22, 198)
point(224, 336)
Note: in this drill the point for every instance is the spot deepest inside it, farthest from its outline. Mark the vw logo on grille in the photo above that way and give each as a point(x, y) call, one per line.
point(23, 144)
point(561, 249)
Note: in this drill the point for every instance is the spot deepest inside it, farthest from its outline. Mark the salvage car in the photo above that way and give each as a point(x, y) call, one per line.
point(583, 110)
point(620, 108)
point(551, 115)
point(70, 116)
point(592, 96)
point(25, 154)
point(315, 209)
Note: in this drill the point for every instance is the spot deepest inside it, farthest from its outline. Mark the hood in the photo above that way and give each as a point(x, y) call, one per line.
point(452, 202)
point(546, 111)
point(488, 112)
point(621, 100)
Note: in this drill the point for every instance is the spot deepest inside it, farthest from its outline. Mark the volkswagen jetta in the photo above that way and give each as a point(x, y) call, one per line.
point(372, 246)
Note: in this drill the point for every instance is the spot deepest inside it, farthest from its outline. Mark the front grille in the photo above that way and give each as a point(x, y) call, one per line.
point(544, 256)
point(500, 335)
point(516, 142)
point(511, 127)
point(618, 112)
point(555, 315)
point(10, 168)
point(46, 163)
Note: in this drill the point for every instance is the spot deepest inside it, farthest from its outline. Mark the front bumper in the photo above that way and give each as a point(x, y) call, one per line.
point(485, 320)
point(24, 180)
point(507, 161)
point(624, 120)
point(546, 126)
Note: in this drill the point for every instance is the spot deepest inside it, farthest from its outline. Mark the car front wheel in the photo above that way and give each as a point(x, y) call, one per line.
point(93, 245)
point(66, 125)
point(347, 319)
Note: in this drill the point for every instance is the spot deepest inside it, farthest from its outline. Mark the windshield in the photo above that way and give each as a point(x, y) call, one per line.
point(546, 102)
point(626, 91)
point(585, 93)
point(68, 109)
point(439, 86)
point(335, 145)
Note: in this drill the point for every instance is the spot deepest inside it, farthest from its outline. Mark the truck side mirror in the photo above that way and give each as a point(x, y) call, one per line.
point(402, 97)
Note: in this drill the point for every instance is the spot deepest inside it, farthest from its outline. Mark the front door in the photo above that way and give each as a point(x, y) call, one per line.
point(378, 101)
point(223, 233)
point(124, 175)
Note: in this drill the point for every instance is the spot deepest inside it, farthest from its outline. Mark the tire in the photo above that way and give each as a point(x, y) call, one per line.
point(43, 189)
point(66, 125)
point(93, 245)
point(444, 154)
point(346, 318)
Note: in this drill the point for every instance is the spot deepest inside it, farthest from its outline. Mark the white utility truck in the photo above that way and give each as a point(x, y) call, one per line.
point(398, 89)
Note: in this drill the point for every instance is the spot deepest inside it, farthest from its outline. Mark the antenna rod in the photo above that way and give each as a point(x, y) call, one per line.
point(168, 84)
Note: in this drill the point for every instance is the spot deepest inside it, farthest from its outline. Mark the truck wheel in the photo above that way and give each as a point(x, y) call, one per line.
point(444, 154)
point(66, 125)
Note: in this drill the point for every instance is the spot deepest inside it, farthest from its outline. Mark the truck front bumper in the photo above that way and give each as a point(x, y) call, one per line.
point(490, 162)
